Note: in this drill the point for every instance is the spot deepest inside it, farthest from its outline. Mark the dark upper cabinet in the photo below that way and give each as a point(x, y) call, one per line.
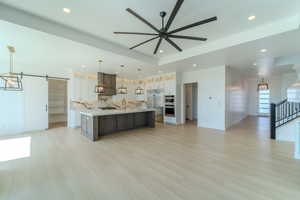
point(109, 82)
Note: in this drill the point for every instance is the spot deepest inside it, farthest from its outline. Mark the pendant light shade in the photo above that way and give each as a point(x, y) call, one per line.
point(11, 81)
point(139, 90)
point(99, 88)
point(262, 85)
point(122, 89)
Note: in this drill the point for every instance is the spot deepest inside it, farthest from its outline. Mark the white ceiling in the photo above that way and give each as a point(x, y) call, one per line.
point(102, 18)
point(39, 52)
point(243, 56)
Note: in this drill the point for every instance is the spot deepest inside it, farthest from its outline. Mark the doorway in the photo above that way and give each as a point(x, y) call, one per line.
point(57, 103)
point(191, 103)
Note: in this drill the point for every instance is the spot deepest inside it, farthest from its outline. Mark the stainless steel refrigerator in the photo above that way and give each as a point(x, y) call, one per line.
point(155, 100)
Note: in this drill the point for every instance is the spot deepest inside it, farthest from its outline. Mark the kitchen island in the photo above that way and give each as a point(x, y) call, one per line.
point(96, 123)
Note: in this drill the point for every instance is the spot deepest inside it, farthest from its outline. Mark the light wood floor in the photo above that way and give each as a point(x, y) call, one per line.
point(167, 163)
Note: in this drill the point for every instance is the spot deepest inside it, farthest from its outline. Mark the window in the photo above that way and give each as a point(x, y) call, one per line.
point(264, 102)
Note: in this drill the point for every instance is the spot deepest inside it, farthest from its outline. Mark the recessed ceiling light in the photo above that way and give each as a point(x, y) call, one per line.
point(161, 51)
point(67, 10)
point(252, 17)
point(263, 50)
point(195, 65)
point(83, 66)
point(159, 71)
point(254, 64)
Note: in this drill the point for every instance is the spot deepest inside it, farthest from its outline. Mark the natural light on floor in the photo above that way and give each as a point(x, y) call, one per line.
point(12, 149)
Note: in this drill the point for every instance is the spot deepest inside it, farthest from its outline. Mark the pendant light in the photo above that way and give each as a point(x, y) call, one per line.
point(122, 89)
point(139, 90)
point(262, 85)
point(11, 81)
point(99, 88)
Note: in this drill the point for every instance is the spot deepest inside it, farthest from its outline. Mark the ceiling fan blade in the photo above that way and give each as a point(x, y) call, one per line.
point(173, 14)
point(157, 46)
point(142, 19)
point(194, 24)
point(173, 44)
point(187, 37)
point(143, 42)
point(135, 33)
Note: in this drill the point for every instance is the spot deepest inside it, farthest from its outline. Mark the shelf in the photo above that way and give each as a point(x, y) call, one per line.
point(58, 113)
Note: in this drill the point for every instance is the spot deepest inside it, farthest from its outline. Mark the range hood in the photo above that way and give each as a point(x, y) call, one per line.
point(108, 81)
point(293, 92)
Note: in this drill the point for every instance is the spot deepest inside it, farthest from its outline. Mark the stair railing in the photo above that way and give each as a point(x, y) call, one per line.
point(282, 113)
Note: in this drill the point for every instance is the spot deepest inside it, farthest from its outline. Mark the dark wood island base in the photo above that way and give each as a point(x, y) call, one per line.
point(95, 126)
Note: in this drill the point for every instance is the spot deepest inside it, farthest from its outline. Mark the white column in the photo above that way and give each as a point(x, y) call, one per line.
point(296, 67)
point(297, 141)
point(293, 92)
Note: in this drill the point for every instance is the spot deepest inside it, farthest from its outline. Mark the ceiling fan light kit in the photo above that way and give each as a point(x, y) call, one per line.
point(163, 33)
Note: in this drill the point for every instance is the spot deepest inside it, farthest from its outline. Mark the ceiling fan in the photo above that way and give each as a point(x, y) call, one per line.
point(164, 32)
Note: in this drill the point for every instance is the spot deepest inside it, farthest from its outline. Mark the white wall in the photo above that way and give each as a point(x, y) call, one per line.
point(211, 96)
point(17, 108)
point(287, 80)
point(236, 97)
point(287, 132)
point(79, 89)
point(11, 112)
point(252, 97)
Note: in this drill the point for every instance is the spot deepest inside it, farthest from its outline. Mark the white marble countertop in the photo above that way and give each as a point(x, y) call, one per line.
point(99, 112)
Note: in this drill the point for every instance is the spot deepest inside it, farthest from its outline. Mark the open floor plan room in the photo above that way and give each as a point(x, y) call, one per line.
point(169, 162)
point(139, 99)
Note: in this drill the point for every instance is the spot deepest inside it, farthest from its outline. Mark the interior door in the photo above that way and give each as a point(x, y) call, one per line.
point(189, 102)
point(35, 103)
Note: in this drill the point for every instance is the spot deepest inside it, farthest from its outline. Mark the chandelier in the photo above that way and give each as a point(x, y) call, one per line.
point(122, 89)
point(262, 85)
point(11, 81)
point(139, 90)
point(99, 88)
